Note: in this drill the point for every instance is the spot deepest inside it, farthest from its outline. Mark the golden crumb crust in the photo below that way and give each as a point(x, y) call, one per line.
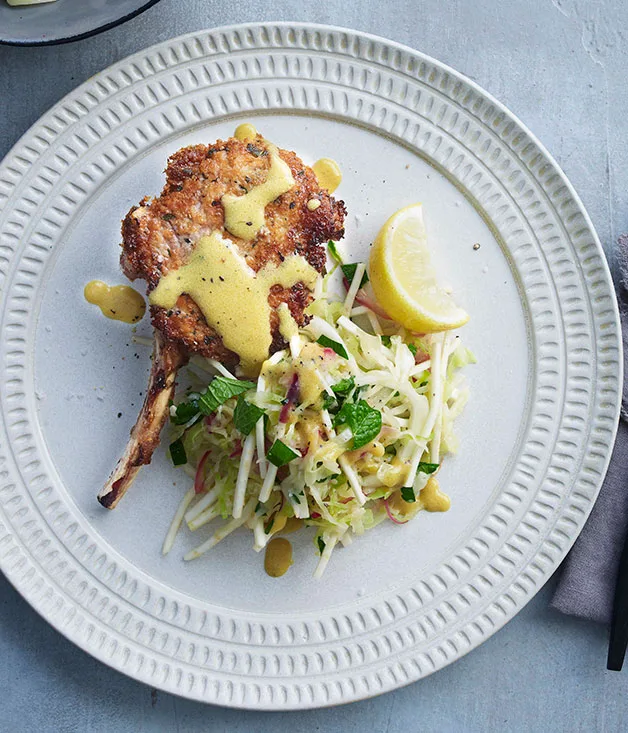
point(159, 235)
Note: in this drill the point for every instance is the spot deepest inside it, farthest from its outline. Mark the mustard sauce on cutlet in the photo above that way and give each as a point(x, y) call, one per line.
point(288, 327)
point(245, 131)
point(118, 302)
point(233, 297)
point(244, 215)
point(328, 174)
point(432, 498)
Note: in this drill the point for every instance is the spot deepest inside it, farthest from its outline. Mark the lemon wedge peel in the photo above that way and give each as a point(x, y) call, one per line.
point(404, 280)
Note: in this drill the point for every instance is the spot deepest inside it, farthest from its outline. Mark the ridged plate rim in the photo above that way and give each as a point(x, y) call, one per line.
point(361, 651)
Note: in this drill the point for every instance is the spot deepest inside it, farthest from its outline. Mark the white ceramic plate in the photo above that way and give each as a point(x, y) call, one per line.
point(401, 602)
point(64, 20)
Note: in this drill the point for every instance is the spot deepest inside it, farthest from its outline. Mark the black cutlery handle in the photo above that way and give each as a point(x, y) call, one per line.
point(619, 626)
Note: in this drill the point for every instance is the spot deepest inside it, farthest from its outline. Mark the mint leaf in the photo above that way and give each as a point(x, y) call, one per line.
point(279, 454)
point(329, 403)
point(220, 390)
point(427, 467)
point(330, 343)
point(185, 411)
point(341, 390)
point(177, 453)
point(349, 272)
point(246, 415)
point(321, 544)
point(385, 340)
point(412, 348)
point(343, 387)
point(407, 494)
point(364, 421)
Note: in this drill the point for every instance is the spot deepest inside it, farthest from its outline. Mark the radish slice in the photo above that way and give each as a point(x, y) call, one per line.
point(390, 516)
point(363, 299)
point(291, 398)
point(199, 480)
point(237, 451)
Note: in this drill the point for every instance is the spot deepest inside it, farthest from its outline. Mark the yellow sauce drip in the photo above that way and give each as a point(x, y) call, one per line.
point(287, 325)
point(306, 366)
point(232, 297)
point(278, 557)
point(328, 173)
point(118, 302)
point(309, 436)
point(432, 498)
point(293, 524)
point(395, 474)
point(245, 131)
point(403, 509)
point(244, 215)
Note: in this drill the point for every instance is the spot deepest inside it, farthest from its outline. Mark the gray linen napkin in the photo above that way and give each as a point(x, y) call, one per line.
point(587, 585)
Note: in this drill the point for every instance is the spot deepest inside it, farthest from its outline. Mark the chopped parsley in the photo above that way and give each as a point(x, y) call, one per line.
point(254, 150)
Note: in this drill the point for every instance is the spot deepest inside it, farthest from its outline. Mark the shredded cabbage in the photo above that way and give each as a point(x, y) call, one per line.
point(403, 393)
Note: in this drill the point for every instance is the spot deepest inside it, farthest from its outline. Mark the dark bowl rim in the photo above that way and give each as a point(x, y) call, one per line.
point(80, 36)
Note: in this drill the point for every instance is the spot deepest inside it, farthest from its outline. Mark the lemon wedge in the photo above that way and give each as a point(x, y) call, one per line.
point(404, 280)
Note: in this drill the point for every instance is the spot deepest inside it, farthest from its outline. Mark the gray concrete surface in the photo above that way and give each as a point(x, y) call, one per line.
point(562, 66)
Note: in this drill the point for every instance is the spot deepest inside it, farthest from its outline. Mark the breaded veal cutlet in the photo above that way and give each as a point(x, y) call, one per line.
point(159, 236)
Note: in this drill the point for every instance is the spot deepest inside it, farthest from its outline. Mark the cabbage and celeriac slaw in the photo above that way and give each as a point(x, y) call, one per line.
point(345, 428)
